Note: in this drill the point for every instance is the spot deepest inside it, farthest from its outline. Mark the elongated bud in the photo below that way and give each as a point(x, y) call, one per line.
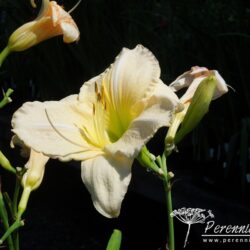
point(36, 166)
point(198, 107)
point(4, 162)
point(32, 178)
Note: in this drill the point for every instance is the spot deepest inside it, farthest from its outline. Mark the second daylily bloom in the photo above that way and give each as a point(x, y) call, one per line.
point(105, 126)
point(52, 21)
point(191, 80)
point(202, 85)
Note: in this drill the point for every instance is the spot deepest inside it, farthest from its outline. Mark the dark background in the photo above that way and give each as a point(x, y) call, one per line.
point(213, 162)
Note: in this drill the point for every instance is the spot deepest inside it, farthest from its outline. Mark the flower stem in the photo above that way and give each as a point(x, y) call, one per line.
point(4, 218)
point(14, 208)
point(11, 229)
point(16, 196)
point(159, 165)
point(167, 188)
point(4, 54)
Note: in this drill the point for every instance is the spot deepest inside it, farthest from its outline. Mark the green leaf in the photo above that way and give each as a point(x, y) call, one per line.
point(115, 240)
point(198, 108)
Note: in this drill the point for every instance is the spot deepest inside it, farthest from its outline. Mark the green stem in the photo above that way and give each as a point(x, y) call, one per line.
point(14, 207)
point(3, 55)
point(167, 188)
point(16, 240)
point(8, 202)
point(11, 229)
point(6, 98)
point(16, 196)
point(4, 217)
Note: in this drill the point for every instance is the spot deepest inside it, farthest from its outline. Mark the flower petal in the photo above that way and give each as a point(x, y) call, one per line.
point(70, 32)
point(193, 78)
point(185, 80)
point(53, 128)
point(133, 76)
point(157, 113)
point(107, 180)
point(65, 21)
point(221, 86)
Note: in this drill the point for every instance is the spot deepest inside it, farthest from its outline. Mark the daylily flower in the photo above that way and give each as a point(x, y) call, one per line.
point(52, 21)
point(105, 126)
point(191, 80)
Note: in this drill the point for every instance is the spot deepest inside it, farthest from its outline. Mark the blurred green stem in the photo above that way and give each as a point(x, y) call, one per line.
point(14, 207)
point(4, 54)
point(4, 218)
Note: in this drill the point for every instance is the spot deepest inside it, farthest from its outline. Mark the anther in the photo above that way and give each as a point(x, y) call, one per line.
point(96, 88)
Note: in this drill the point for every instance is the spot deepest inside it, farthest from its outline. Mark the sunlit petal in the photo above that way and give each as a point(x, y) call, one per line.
point(107, 180)
point(53, 128)
point(133, 76)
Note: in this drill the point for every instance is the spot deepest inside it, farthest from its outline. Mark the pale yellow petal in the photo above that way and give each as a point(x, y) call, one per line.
point(133, 76)
point(54, 128)
point(157, 112)
point(107, 180)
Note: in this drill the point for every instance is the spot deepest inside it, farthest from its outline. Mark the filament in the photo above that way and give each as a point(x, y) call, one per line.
point(74, 7)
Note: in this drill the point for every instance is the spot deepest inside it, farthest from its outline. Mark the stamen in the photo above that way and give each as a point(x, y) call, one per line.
point(96, 88)
point(76, 5)
point(43, 9)
point(59, 133)
point(232, 88)
point(76, 152)
point(99, 97)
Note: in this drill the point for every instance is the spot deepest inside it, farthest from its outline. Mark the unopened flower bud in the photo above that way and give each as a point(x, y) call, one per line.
point(4, 162)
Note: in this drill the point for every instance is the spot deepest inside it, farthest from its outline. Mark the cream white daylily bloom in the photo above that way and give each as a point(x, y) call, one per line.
point(191, 80)
point(52, 21)
point(105, 126)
